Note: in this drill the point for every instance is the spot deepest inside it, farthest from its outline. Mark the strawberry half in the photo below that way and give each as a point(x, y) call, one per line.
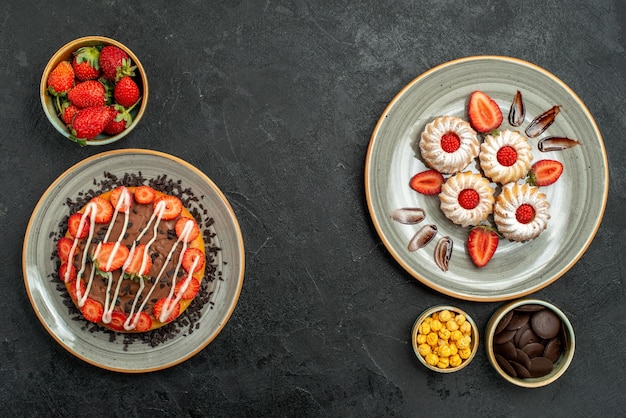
point(172, 206)
point(134, 265)
point(190, 256)
point(180, 229)
point(117, 320)
point(73, 226)
point(160, 304)
point(544, 173)
point(71, 288)
point(63, 272)
point(191, 291)
point(117, 255)
point(64, 247)
point(482, 243)
point(104, 210)
point(427, 182)
point(116, 196)
point(92, 310)
point(484, 113)
point(144, 323)
point(144, 195)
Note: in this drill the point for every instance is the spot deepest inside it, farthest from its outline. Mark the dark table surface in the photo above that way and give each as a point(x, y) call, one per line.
point(276, 102)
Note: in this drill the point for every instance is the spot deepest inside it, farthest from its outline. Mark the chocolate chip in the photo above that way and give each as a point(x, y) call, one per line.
point(540, 366)
point(504, 322)
point(533, 349)
point(546, 324)
point(519, 334)
point(504, 336)
point(522, 358)
point(529, 308)
point(506, 350)
point(518, 321)
point(521, 371)
point(528, 337)
point(506, 366)
point(553, 349)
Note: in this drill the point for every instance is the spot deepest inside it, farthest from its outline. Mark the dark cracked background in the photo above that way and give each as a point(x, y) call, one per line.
point(276, 102)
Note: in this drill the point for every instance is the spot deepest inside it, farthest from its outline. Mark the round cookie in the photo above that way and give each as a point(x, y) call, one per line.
point(505, 157)
point(466, 198)
point(521, 212)
point(448, 144)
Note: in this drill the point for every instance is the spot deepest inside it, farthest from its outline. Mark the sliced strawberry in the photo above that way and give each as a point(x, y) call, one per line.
point(144, 195)
point(192, 255)
point(161, 304)
point(544, 172)
point(71, 288)
point(116, 197)
point(191, 291)
point(74, 228)
point(117, 320)
point(182, 223)
point(65, 275)
point(427, 182)
point(64, 247)
point(134, 264)
point(103, 212)
point(482, 243)
point(484, 113)
point(92, 310)
point(109, 252)
point(144, 323)
point(171, 204)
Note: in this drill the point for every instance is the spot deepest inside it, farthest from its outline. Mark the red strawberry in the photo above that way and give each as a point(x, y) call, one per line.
point(126, 92)
point(144, 195)
point(68, 112)
point(66, 276)
point(64, 247)
point(104, 210)
point(482, 243)
point(134, 264)
point(450, 142)
point(484, 113)
point(165, 302)
point(191, 291)
point(506, 156)
point(117, 320)
point(71, 288)
point(90, 122)
point(88, 93)
point(120, 120)
point(108, 251)
point(172, 206)
point(468, 198)
point(180, 229)
point(86, 63)
point(116, 195)
point(144, 323)
point(92, 310)
point(544, 172)
point(525, 213)
point(427, 182)
point(190, 256)
point(115, 62)
point(61, 79)
point(73, 226)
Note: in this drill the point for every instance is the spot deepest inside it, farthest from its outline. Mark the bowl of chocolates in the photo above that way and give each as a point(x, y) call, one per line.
point(444, 338)
point(530, 342)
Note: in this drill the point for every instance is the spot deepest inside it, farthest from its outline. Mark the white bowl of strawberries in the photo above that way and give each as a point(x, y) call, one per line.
point(94, 90)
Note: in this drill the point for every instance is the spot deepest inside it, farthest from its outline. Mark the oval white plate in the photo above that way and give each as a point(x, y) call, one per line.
point(578, 199)
point(95, 348)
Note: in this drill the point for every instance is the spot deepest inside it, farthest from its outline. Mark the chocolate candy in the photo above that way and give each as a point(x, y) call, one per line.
point(528, 341)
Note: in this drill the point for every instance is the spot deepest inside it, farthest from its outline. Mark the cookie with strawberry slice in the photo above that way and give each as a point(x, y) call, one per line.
point(138, 256)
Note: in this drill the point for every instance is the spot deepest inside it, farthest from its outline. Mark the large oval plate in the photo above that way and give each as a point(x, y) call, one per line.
point(577, 200)
point(96, 348)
